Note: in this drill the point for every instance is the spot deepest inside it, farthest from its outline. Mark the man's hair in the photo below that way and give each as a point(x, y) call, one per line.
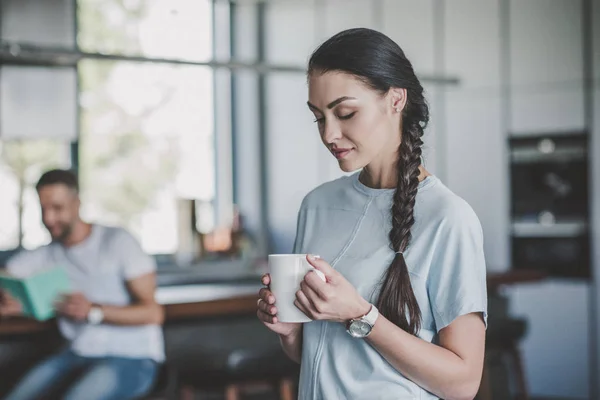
point(59, 176)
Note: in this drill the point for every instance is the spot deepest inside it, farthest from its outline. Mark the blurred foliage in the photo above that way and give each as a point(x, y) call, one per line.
point(121, 168)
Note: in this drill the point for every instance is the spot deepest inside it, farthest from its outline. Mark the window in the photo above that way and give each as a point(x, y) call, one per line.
point(146, 141)
point(145, 124)
point(174, 29)
point(146, 134)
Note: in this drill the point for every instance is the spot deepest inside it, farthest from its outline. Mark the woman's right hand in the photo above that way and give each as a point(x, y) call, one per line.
point(267, 312)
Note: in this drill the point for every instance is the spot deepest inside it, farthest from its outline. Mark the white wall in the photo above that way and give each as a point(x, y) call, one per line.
point(294, 154)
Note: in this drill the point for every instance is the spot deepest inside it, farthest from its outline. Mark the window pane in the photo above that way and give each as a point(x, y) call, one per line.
point(38, 103)
point(43, 23)
point(21, 164)
point(175, 29)
point(146, 142)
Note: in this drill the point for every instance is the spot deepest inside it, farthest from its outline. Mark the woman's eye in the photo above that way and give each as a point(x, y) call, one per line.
point(347, 116)
point(319, 120)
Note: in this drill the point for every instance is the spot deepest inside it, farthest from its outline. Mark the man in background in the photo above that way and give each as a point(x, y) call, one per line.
point(111, 320)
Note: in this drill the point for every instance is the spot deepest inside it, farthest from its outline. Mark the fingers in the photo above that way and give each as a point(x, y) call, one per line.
point(268, 318)
point(6, 297)
point(321, 265)
point(266, 312)
point(265, 304)
point(10, 310)
point(304, 304)
point(318, 286)
point(72, 309)
point(266, 295)
point(310, 293)
point(266, 308)
point(266, 279)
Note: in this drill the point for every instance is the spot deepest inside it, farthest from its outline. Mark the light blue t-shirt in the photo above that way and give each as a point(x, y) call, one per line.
point(347, 224)
point(99, 267)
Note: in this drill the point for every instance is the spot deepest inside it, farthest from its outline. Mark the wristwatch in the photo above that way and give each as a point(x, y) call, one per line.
point(362, 327)
point(95, 316)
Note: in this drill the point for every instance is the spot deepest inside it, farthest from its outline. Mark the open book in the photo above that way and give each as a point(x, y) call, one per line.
point(37, 292)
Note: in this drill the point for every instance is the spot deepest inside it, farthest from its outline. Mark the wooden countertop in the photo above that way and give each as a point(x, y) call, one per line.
point(189, 301)
point(513, 277)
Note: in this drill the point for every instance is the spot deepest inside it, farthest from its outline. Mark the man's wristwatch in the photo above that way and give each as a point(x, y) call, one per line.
point(362, 327)
point(95, 316)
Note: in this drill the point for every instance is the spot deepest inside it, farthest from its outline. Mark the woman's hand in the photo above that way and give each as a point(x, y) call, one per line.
point(267, 312)
point(333, 300)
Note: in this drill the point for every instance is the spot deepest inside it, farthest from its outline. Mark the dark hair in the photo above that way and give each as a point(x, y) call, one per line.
point(381, 64)
point(58, 176)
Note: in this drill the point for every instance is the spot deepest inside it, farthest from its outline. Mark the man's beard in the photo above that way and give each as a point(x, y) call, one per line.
point(64, 234)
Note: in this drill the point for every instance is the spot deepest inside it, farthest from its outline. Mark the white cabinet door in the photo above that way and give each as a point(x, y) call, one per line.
point(546, 66)
point(555, 350)
point(473, 139)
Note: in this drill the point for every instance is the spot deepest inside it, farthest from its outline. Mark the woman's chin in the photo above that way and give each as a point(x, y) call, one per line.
point(348, 166)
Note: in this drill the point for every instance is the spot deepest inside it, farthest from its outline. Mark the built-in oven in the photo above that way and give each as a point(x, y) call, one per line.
point(549, 204)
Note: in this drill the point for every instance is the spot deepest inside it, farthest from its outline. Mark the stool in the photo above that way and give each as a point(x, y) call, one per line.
point(503, 336)
point(239, 370)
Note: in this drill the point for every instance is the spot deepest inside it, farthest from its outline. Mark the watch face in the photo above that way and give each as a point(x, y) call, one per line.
point(359, 328)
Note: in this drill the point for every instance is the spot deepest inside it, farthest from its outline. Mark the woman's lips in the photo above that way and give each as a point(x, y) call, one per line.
point(341, 153)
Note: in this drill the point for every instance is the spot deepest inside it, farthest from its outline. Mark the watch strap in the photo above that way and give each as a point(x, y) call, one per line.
point(371, 316)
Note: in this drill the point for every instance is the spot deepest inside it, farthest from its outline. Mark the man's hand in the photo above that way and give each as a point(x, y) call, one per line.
point(9, 306)
point(74, 306)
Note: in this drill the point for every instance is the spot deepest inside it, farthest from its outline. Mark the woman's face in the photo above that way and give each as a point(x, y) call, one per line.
point(357, 124)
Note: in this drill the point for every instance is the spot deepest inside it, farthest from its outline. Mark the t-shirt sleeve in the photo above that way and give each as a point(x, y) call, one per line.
point(28, 262)
point(457, 279)
point(135, 262)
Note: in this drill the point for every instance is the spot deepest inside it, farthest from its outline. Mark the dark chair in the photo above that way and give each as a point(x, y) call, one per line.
point(240, 371)
point(232, 356)
point(503, 359)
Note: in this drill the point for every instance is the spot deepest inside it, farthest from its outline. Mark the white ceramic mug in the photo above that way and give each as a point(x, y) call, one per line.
point(287, 271)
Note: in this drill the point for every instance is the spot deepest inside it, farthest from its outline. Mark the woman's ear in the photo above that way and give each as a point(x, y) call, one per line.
point(398, 99)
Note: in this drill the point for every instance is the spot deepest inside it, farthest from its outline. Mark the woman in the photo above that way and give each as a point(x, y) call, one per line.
point(402, 313)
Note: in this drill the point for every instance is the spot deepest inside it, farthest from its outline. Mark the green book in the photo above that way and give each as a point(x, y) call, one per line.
point(38, 292)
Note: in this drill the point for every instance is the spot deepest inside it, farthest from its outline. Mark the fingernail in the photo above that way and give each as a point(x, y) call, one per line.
point(313, 257)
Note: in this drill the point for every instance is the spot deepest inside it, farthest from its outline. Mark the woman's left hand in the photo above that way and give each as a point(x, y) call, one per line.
point(333, 300)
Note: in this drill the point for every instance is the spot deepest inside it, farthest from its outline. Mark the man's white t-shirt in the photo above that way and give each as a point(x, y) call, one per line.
point(99, 268)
